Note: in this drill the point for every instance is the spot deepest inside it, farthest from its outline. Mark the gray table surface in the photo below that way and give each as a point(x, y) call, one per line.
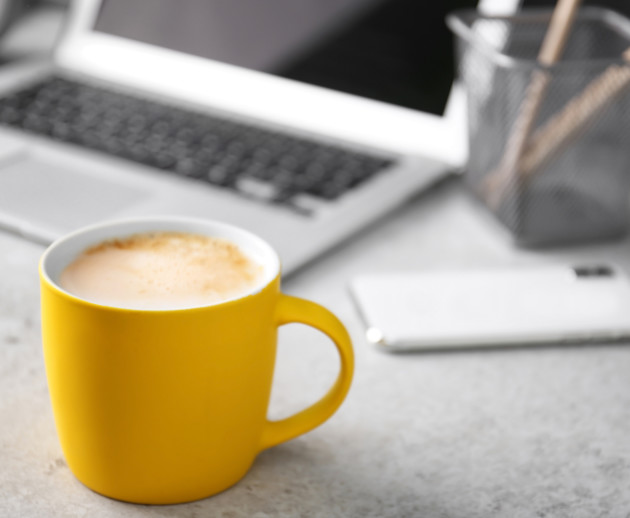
point(539, 432)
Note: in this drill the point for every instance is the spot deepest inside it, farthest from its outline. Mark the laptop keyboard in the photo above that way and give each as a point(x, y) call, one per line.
point(254, 161)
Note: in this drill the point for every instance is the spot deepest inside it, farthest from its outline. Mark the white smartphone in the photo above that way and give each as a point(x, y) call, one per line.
point(550, 304)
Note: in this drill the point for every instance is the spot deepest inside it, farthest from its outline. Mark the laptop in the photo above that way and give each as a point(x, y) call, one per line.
point(301, 121)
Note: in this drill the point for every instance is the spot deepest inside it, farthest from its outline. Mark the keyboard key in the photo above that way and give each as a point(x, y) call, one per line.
point(257, 188)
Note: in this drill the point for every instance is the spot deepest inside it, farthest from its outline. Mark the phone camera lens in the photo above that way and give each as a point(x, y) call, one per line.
point(593, 271)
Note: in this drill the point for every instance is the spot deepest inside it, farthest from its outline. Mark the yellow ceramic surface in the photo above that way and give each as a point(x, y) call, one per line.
point(171, 406)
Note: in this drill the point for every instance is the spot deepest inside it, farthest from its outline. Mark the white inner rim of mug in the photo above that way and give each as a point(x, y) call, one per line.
point(66, 249)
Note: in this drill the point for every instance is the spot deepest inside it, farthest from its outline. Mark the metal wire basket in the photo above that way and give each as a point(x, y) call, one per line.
point(570, 181)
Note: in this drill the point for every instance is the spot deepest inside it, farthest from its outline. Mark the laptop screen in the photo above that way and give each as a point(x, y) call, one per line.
point(396, 51)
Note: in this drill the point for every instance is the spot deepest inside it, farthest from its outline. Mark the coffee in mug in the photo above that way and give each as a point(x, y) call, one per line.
point(161, 397)
point(162, 270)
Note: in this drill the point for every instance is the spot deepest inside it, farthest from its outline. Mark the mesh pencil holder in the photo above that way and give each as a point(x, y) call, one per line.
point(565, 177)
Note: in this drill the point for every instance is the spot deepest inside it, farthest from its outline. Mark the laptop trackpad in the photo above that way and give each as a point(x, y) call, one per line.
point(56, 198)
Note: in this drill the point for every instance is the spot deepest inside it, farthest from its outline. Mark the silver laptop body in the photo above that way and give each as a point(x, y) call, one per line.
point(49, 186)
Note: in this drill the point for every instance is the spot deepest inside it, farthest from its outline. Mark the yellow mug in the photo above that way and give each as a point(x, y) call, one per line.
point(170, 406)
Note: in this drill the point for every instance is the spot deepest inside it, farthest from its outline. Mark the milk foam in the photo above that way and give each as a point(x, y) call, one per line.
point(163, 270)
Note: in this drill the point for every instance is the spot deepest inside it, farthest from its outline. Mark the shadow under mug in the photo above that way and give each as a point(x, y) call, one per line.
point(170, 406)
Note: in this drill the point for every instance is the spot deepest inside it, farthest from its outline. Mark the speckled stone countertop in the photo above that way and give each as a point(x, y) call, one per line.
point(538, 432)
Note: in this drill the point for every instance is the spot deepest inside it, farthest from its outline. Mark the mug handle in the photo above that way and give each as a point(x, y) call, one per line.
point(293, 309)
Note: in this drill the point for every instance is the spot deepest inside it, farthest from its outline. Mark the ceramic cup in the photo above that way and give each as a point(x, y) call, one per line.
point(170, 406)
